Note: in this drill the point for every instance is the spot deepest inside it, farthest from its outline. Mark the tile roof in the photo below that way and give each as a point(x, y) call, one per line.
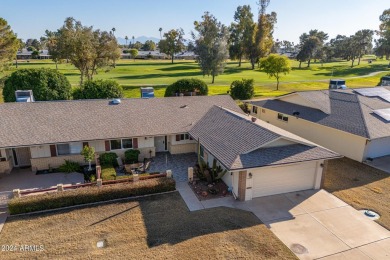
point(236, 141)
point(281, 155)
point(24, 124)
point(345, 110)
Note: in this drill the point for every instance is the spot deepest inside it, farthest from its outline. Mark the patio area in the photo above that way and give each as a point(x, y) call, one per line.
point(178, 163)
point(26, 179)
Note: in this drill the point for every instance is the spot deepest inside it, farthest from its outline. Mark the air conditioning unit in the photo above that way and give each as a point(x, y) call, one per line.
point(24, 96)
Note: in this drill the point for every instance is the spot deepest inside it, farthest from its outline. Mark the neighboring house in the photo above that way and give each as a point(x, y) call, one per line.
point(146, 55)
point(352, 122)
point(26, 55)
point(187, 55)
point(261, 159)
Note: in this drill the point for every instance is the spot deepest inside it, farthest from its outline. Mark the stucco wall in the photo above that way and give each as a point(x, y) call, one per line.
point(182, 148)
point(5, 167)
point(41, 151)
point(54, 162)
point(344, 143)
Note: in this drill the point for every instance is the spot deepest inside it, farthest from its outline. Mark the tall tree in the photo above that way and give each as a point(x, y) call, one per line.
point(363, 40)
point(9, 44)
point(211, 45)
point(87, 49)
point(126, 38)
point(149, 45)
point(265, 29)
point(53, 46)
point(311, 42)
point(383, 43)
point(160, 30)
point(172, 43)
point(240, 32)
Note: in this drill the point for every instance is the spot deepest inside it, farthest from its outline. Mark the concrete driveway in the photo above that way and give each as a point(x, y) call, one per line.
point(26, 179)
point(316, 224)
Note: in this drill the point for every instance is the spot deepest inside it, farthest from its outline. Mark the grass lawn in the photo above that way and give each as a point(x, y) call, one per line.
point(159, 73)
point(360, 185)
point(156, 227)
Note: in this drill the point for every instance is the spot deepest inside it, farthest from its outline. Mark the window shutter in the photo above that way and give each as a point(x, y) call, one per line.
point(53, 150)
point(85, 144)
point(177, 138)
point(135, 143)
point(107, 145)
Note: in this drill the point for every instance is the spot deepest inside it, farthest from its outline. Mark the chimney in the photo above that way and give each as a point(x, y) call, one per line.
point(24, 96)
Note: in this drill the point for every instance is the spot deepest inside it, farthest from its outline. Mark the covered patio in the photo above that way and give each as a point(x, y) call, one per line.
point(26, 179)
point(178, 163)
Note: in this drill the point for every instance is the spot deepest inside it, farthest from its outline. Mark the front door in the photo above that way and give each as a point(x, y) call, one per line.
point(161, 143)
point(21, 156)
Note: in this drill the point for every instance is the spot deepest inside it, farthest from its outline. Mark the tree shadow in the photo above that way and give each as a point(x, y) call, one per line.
point(143, 63)
point(342, 71)
point(178, 68)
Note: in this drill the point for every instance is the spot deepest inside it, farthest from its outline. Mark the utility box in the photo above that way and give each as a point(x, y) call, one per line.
point(147, 92)
point(337, 84)
point(385, 81)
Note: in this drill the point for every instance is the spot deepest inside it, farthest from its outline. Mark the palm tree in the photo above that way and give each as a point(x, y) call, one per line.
point(160, 30)
point(133, 39)
point(126, 38)
point(113, 30)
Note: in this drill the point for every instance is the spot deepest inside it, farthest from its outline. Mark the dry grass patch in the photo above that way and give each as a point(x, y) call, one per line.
point(156, 227)
point(360, 185)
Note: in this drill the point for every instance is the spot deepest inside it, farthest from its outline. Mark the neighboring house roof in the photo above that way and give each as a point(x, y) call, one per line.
point(239, 143)
point(25, 124)
point(345, 110)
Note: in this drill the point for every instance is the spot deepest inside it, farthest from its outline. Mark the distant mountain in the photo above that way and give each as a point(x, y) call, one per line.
point(141, 39)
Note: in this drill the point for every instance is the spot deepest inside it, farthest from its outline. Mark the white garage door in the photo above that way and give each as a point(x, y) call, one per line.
point(270, 181)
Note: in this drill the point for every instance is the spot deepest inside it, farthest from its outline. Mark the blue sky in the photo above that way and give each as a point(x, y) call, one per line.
point(29, 19)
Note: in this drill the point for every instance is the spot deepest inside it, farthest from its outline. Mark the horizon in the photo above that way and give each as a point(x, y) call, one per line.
point(360, 15)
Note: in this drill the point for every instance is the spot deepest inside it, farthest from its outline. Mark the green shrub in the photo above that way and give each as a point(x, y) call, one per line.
point(108, 173)
point(97, 89)
point(46, 84)
point(131, 156)
point(89, 195)
point(69, 167)
point(242, 89)
point(187, 85)
point(108, 159)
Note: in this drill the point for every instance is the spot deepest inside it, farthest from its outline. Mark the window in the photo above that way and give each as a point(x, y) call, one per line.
point(254, 110)
point(184, 137)
point(201, 151)
point(116, 144)
point(70, 148)
point(127, 143)
point(282, 117)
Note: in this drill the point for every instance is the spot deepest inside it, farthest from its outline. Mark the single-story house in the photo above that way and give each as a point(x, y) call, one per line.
point(261, 159)
point(24, 54)
point(352, 122)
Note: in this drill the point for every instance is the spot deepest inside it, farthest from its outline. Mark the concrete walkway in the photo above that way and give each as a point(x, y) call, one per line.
point(4, 197)
point(314, 224)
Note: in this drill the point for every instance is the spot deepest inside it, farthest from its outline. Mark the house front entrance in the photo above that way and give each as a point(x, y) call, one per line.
point(161, 143)
point(21, 157)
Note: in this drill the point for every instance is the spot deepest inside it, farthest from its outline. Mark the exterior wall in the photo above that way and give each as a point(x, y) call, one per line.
point(97, 145)
point(40, 151)
point(377, 148)
point(184, 146)
point(349, 145)
point(5, 167)
point(54, 162)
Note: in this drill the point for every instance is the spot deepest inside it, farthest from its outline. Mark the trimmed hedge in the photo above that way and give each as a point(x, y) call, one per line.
point(187, 85)
point(98, 89)
point(89, 195)
point(108, 159)
point(108, 173)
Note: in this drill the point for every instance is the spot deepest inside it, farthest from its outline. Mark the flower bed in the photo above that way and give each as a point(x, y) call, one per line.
point(204, 191)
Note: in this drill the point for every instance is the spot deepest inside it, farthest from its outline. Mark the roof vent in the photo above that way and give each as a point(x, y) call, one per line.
point(116, 101)
point(184, 106)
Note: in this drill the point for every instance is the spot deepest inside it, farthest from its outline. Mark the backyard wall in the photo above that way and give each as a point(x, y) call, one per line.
point(6, 166)
point(54, 162)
